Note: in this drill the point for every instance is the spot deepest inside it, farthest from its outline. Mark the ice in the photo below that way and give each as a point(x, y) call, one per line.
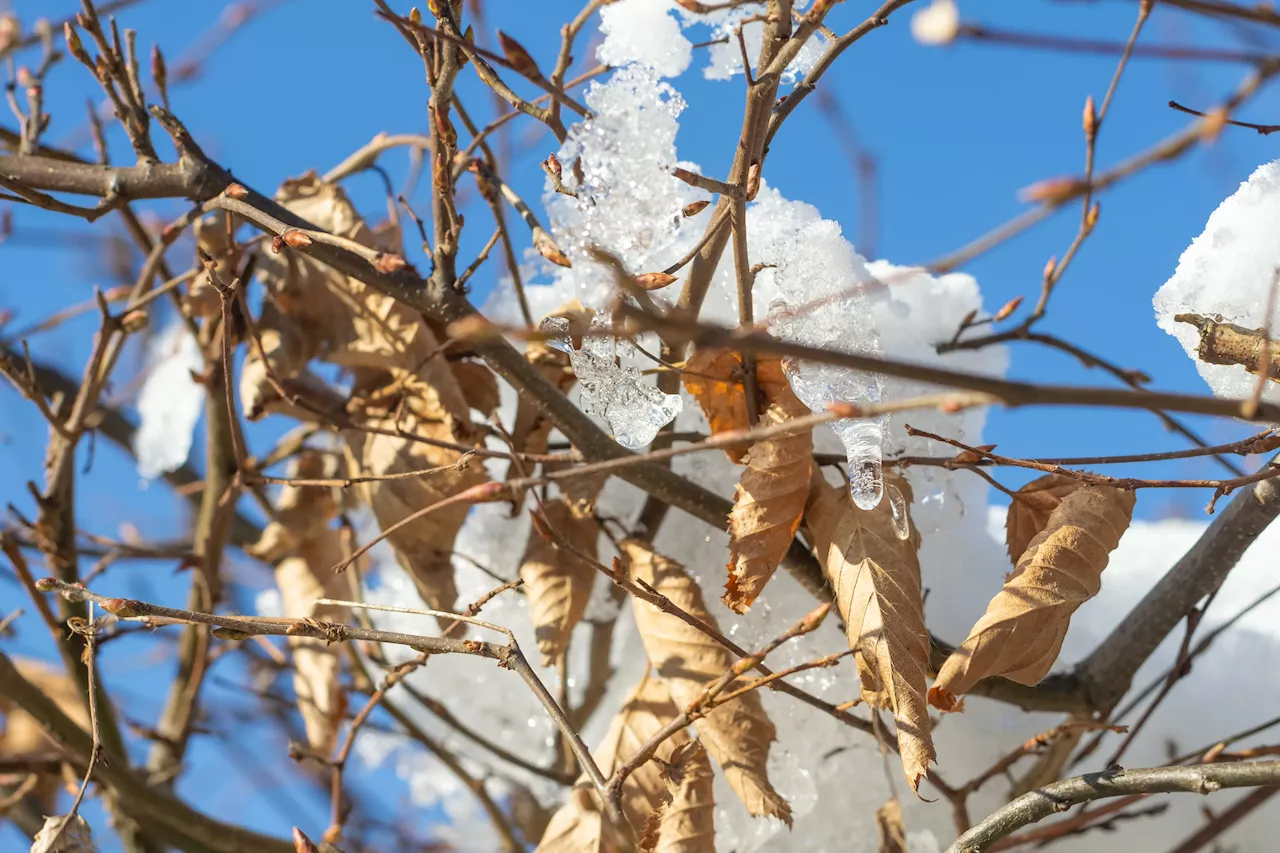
point(644, 32)
point(611, 389)
point(169, 403)
point(1228, 271)
point(898, 506)
point(724, 57)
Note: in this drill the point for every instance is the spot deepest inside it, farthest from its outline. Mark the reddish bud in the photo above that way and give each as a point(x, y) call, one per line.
point(552, 165)
point(654, 280)
point(1050, 268)
point(386, 262)
point(1008, 309)
point(1092, 218)
point(753, 181)
point(814, 618)
point(1090, 119)
point(301, 843)
point(134, 321)
point(694, 208)
point(844, 410)
point(517, 56)
point(968, 457)
point(46, 585)
point(1052, 190)
point(968, 319)
point(236, 191)
point(74, 47)
point(159, 72)
point(124, 608)
point(548, 249)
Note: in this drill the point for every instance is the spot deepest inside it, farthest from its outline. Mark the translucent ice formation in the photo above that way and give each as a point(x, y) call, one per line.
point(1228, 271)
point(824, 304)
point(634, 410)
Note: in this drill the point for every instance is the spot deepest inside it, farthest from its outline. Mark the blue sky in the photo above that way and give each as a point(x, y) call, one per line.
point(955, 131)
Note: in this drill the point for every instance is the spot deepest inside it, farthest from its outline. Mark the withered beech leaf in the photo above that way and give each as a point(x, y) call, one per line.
point(1021, 633)
point(22, 734)
point(557, 582)
point(686, 823)
point(479, 385)
point(893, 834)
point(1029, 511)
point(737, 734)
point(579, 827)
point(647, 710)
point(876, 579)
point(768, 504)
point(305, 548)
point(713, 377)
point(423, 547)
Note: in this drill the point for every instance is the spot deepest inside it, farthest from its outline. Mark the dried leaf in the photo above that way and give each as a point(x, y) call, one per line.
point(738, 733)
point(22, 734)
point(75, 838)
point(579, 827)
point(424, 546)
point(479, 385)
point(1029, 512)
point(768, 504)
point(317, 666)
point(557, 583)
point(876, 578)
point(647, 710)
point(893, 834)
point(1021, 633)
point(713, 377)
point(687, 824)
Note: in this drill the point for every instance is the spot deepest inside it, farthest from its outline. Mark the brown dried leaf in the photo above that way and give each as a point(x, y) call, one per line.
point(647, 710)
point(893, 834)
point(713, 377)
point(738, 733)
point(1030, 510)
point(21, 734)
point(579, 827)
point(876, 578)
point(479, 385)
point(687, 824)
point(557, 583)
point(301, 512)
point(768, 504)
point(1021, 633)
point(424, 546)
point(317, 667)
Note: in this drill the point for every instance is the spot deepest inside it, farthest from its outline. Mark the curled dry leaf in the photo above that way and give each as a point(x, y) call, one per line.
point(768, 504)
point(22, 734)
point(305, 549)
point(580, 827)
point(737, 734)
point(893, 834)
point(714, 378)
point(647, 710)
point(876, 578)
point(54, 837)
point(479, 386)
point(1021, 633)
point(557, 582)
point(1029, 512)
point(423, 547)
point(686, 823)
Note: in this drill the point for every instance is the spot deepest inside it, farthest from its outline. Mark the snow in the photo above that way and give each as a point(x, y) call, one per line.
point(820, 290)
point(613, 389)
point(1228, 270)
point(937, 23)
point(646, 33)
point(169, 403)
point(724, 58)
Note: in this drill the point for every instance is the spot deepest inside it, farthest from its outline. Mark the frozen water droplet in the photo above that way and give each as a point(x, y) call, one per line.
point(862, 441)
point(898, 505)
point(558, 327)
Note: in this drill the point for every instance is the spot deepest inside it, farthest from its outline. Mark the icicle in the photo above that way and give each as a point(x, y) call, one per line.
point(634, 410)
point(898, 504)
point(862, 441)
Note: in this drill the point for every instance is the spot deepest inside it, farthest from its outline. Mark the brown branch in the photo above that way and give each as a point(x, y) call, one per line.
point(1043, 802)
